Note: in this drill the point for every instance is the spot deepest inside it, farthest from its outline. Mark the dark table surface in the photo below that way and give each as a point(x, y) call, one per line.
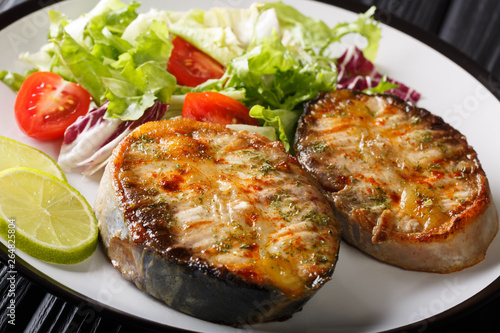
point(472, 27)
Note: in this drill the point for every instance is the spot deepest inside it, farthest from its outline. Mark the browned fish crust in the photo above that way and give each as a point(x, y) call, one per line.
point(222, 225)
point(406, 186)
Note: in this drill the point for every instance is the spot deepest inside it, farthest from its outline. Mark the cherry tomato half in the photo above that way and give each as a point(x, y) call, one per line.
point(216, 108)
point(191, 66)
point(46, 105)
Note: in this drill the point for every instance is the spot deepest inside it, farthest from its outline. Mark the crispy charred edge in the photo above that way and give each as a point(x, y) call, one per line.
point(191, 285)
point(458, 222)
point(197, 289)
point(178, 125)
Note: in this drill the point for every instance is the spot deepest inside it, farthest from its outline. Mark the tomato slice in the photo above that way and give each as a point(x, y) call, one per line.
point(191, 66)
point(216, 108)
point(46, 105)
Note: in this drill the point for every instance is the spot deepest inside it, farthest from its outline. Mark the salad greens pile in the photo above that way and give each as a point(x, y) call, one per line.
point(275, 58)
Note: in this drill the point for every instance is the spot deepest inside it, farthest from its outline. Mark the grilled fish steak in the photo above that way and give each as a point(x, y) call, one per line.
point(406, 187)
point(222, 225)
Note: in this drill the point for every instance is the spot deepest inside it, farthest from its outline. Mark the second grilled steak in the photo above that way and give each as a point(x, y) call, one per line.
point(407, 187)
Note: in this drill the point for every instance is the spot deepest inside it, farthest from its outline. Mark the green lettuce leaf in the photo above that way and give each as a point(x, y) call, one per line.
point(283, 121)
point(143, 67)
point(310, 33)
point(218, 42)
point(313, 34)
point(274, 77)
point(383, 86)
point(367, 27)
point(142, 23)
point(85, 69)
point(240, 21)
point(12, 80)
point(267, 131)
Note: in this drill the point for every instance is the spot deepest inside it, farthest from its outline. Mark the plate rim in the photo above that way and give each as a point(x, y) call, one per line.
point(430, 39)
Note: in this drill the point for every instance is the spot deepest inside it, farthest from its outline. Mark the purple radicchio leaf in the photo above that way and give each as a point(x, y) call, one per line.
point(356, 72)
point(90, 140)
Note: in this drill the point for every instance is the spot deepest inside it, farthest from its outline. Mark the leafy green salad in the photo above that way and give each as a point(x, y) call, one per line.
point(268, 57)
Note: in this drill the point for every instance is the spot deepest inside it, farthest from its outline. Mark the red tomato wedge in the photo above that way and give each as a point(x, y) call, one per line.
point(46, 105)
point(216, 108)
point(191, 66)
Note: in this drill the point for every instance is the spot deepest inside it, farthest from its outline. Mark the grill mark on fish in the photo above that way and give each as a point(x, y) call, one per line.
point(184, 198)
point(398, 177)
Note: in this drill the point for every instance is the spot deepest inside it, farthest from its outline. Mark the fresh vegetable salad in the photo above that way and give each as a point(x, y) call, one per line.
point(112, 69)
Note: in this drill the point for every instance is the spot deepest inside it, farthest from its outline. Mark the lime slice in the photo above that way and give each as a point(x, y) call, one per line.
point(15, 154)
point(50, 220)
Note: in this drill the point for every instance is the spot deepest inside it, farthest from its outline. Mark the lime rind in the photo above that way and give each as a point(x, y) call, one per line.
point(55, 253)
point(32, 158)
point(48, 253)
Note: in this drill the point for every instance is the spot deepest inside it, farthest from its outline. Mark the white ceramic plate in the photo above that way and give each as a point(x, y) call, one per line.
point(364, 294)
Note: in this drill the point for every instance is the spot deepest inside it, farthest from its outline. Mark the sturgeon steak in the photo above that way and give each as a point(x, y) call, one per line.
point(222, 225)
point(406, 187)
